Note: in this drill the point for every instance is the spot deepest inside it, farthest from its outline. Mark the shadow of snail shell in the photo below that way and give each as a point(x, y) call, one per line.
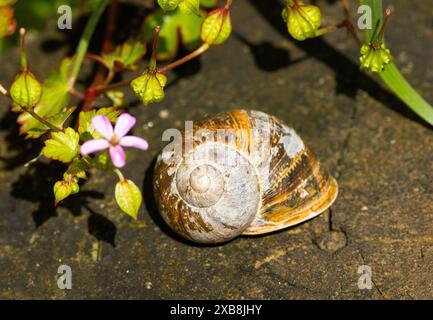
point(239, 172)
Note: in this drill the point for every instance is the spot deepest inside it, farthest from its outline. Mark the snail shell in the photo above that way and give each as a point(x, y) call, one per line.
point(244, 172)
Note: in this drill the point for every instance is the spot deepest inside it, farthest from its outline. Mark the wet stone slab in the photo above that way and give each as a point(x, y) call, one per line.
point(380, 154)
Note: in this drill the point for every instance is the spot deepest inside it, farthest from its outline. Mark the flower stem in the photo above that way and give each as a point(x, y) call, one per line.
point(173, 65)
point(85, 39)
point(119, 174)
point(22, 49)
point(152, 64)
point(42, 120)
point(31, 112)
point(186, 58)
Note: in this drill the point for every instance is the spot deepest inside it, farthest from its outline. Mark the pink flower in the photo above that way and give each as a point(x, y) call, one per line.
point(114, 139)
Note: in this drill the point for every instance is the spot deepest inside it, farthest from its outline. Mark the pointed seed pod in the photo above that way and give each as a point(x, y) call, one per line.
point(302, 20)
point(26, 90)
point(216, 27)
point(149, 87)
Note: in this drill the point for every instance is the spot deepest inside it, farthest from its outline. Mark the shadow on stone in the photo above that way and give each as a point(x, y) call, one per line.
point(267, 56)
point(101, 228)
point(22, 150)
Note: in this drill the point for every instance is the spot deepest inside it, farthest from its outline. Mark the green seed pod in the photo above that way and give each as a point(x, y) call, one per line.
point(374, 58)
point(26, 90)
point(168, 5)
point(302, 20)
point(149, 87)
point(62, 190)
point(216, 27)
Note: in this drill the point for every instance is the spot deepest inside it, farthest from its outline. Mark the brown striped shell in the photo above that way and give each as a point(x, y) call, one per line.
point(239, 172)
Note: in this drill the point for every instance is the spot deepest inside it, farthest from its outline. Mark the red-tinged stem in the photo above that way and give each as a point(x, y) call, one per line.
point(347, 23)
point(382, 29)
point(114, 86)
point(76, 93)
point(152, 64)
point(345, 4)
point(168, 67)
point(186, 58)
point(94, 57)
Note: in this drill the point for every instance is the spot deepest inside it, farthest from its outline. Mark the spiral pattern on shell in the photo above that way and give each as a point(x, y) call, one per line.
point(245, 172)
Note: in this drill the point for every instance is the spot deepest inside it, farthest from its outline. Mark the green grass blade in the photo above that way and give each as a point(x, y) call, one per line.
point(392, 76)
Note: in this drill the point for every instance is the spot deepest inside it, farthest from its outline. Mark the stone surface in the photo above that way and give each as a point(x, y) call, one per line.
point(379, 152)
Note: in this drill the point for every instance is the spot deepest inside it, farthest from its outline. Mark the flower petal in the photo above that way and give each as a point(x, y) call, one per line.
point(117, 156)
point(93, 146)
point(103, 126)
point(124, 124)
point(135, 142)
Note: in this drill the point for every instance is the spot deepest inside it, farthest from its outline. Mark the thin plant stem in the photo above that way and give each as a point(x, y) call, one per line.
point(186, 58)
point(85, 39)
point(22, 49)
point(107, 45)
point(119, 174)
point(31, 112)
point(168, 67)
point(42, 120)
point(116, 85)
point(152, 65)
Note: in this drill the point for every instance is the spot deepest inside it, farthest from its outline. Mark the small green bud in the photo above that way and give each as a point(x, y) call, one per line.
point(66, 187)
point(216, 27)
point(128, 197)
point(75, 188)
point(374, 58)
point(168, 5)
point(302, 20)
point(62, 190)
point(149, 87)
point(26, 90)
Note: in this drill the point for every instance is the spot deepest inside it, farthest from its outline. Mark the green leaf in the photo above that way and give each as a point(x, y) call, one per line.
point(103, 161)
point(58, 120)
point(55, 98)
point(125, 56)
point(117, 97)
point(63, 146)
point(76, 169)
point(395, 80)
point(392, 76)
point(176, 28)
point(85, 128)
point(128, 197)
